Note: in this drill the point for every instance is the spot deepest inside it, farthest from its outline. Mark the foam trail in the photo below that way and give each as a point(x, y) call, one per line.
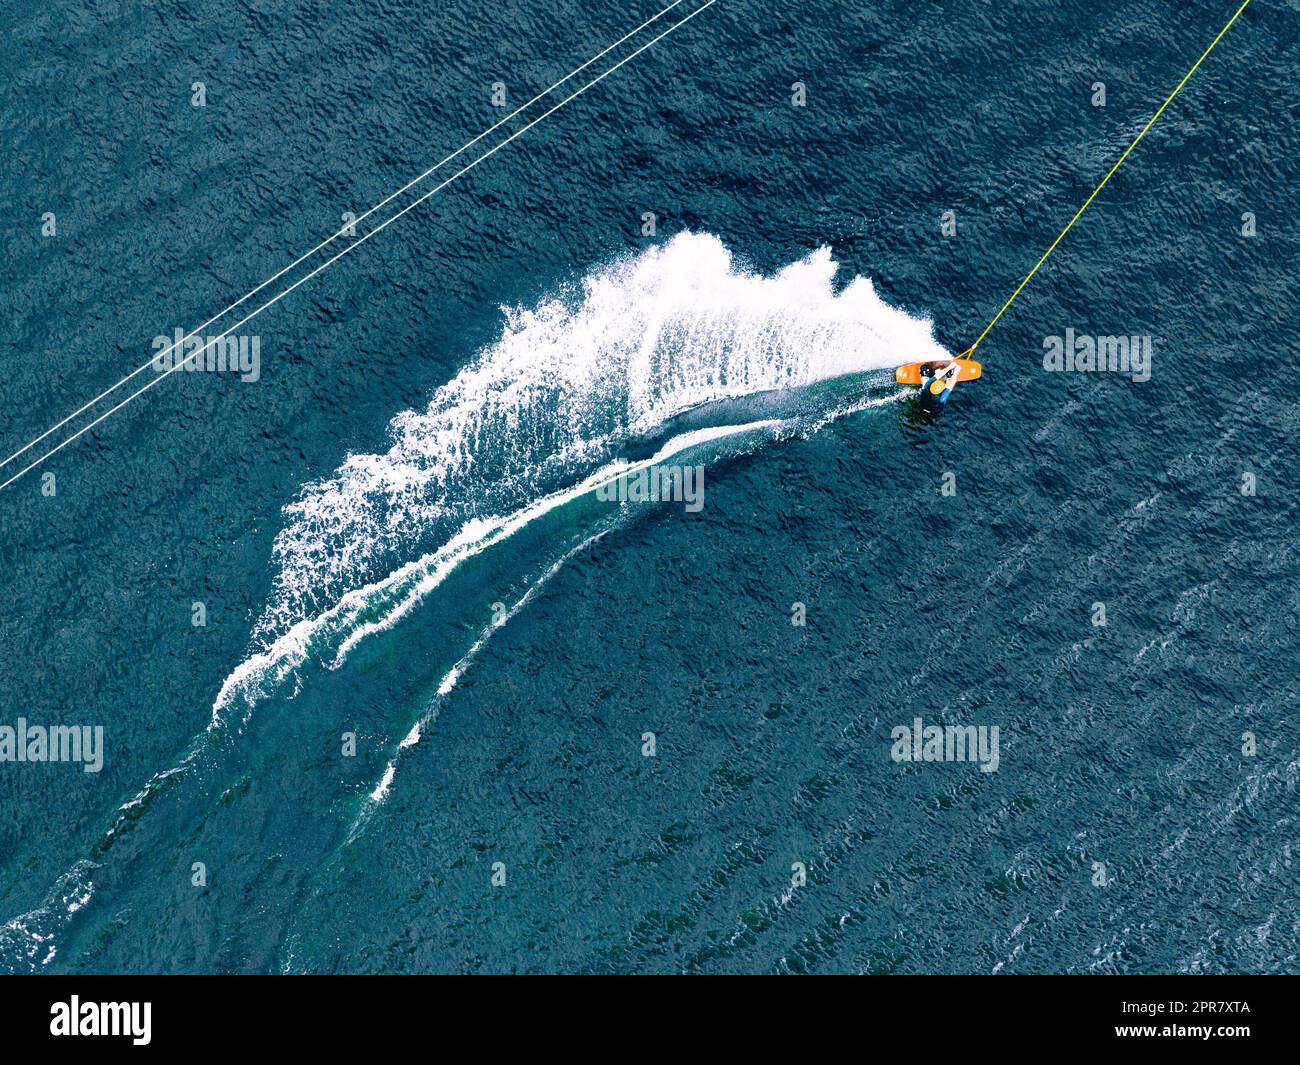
point(453, 675)
point(534, 417)
point(534, 420)
point(27, 941)
point(379, 606)
point(570, 380)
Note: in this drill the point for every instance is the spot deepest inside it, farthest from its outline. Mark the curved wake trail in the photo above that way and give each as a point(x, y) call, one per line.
point(535, 421)
point(773, 429)
point(550, 405)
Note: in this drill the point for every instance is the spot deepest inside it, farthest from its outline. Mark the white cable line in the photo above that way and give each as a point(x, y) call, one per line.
point(384, 225)
point(329, 240)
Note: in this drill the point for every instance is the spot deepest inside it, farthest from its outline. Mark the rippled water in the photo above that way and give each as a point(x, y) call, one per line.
point(396, 537)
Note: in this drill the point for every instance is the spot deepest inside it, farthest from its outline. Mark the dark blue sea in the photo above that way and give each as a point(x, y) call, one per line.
point(387, 681)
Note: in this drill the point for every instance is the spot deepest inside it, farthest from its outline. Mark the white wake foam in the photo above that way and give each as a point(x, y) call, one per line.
point(535, 420)
point(677, 445)
point(636, 343)
point(540, 416)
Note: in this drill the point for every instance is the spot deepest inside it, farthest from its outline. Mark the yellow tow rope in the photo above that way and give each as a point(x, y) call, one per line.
point(970, 351)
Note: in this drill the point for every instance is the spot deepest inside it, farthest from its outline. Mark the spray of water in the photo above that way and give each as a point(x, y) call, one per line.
point(554, 399)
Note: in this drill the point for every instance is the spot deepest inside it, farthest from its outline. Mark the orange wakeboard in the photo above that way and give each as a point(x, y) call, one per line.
point(911, 373)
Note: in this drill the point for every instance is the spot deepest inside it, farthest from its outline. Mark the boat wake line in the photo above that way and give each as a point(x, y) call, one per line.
point(624, 359)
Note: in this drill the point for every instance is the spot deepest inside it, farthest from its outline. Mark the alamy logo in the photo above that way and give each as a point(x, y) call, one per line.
point(947, 743)
point(102, 1018)
point(55, 743)
point(658, 484)
point(1093, 354)
point(233, 354)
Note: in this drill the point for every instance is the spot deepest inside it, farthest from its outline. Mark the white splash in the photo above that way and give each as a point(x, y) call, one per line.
point(636, 343)
point(539, 417)
point(535, 420)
